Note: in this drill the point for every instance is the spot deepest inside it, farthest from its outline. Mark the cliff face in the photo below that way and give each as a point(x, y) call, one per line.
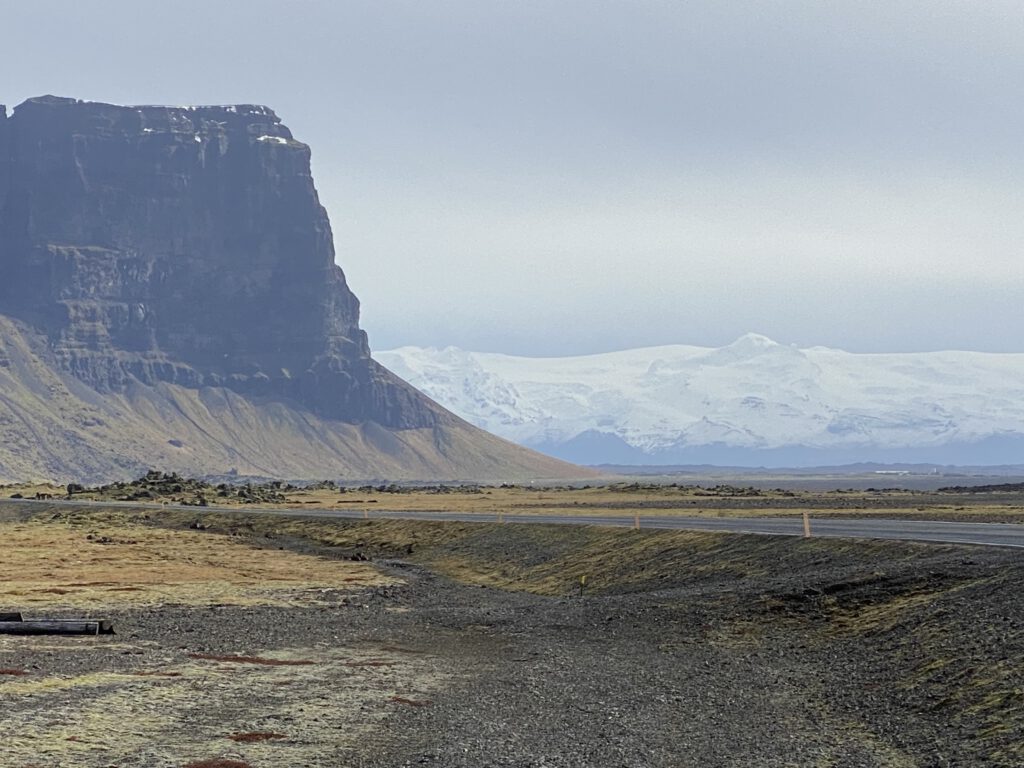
point(169, 299)
point(187, 246)
point(5, 174)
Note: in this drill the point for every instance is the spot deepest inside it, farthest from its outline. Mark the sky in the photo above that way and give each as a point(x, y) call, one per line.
point(560, 177)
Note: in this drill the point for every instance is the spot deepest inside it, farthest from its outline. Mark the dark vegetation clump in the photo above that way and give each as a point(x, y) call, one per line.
point(998, 488)
point(696, 490)
point(157, 673)
point(171, 487)
point(396, 488)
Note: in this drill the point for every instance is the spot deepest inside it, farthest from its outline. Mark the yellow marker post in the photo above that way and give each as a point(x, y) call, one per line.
point(366, 514)
point(807, 525)
point(636, 521)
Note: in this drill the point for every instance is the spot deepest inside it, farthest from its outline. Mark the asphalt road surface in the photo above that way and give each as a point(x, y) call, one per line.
point(984, 534)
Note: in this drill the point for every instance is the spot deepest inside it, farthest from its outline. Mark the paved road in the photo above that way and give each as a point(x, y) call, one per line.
point(984, 534)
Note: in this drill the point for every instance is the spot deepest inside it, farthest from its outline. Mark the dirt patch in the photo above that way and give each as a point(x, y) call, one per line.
point(253, 660)
point(326, 710)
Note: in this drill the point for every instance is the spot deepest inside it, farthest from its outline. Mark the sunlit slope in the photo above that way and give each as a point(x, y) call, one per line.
point(54, 427)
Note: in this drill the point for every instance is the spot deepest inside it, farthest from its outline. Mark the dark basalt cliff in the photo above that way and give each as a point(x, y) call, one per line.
point(169, 299)
point(187, 246)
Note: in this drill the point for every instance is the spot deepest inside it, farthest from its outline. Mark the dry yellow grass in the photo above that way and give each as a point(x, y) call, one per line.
point(608, 501)
point(514, 500)
point(191, 710)
point(92, 566)
point(177, 707)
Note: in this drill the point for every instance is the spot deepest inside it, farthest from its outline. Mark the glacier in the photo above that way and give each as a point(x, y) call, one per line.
point(754, 402)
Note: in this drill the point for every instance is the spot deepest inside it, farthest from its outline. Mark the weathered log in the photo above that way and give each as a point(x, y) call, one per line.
point(10, 617)
point(62, 627)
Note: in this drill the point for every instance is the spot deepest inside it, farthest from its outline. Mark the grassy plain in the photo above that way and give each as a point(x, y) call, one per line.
point(617, 500)
point(611, 499)
point(88, 563)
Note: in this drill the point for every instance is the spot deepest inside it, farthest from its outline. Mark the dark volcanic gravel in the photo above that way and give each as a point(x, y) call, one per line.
point(812, 666)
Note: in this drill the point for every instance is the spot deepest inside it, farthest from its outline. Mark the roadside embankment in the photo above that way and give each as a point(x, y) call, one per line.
point(725, 648)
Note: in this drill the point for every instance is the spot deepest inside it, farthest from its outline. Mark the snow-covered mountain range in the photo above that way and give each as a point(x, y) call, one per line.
point(753, 402)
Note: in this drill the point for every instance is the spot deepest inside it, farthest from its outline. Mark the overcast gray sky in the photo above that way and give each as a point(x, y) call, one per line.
point(561, 177)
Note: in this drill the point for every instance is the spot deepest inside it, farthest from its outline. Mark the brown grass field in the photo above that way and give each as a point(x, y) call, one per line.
point(129, 701)
point(624, 500)
point(85, 565)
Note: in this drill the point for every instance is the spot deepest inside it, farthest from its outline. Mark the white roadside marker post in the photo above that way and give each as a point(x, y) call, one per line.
point(807, 524)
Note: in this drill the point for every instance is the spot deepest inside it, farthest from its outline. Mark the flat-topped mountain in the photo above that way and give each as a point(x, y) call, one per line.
point(163, 255)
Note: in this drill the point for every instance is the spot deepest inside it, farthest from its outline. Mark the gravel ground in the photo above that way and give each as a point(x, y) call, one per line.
point(886, 660)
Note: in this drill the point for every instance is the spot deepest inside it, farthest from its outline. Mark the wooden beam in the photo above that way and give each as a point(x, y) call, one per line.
point(62, 627)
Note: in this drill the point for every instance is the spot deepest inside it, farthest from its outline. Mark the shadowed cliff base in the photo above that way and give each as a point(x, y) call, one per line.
point(54, 427)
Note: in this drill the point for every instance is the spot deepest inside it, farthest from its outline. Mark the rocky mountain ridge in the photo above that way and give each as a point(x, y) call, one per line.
point(119, 223)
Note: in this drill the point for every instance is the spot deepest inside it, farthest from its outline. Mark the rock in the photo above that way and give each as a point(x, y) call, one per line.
point(170, 298)
point(185, 245)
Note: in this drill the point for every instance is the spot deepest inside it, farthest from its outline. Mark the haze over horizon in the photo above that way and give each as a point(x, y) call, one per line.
point(630, 174)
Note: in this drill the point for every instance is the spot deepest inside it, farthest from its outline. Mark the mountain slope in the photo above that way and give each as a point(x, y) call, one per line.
point(54, 427)
point(753, 401)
